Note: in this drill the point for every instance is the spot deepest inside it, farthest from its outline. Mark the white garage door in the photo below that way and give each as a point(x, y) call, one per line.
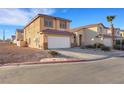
point(108, 42)
point(58, 42)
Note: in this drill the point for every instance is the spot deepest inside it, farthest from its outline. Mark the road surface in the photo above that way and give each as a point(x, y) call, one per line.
point(103, 71)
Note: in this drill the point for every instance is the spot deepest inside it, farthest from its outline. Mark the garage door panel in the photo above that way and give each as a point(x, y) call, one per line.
point(108, 42)
point(58, 42)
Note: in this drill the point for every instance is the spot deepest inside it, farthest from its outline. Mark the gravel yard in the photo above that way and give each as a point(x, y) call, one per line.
point(11, 53)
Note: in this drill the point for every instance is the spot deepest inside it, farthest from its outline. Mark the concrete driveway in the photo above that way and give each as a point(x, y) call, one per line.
point(87, 53)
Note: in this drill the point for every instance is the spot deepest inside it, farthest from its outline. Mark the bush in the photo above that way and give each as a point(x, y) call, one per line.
point(99, 45)
point(82, 47)
point(105, 48)
point(10, 42)
point(117, 47)
point(54, 53)
point(117, 42)
point(90, 46)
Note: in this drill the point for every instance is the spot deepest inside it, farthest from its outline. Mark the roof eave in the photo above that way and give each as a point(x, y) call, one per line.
point(39, 15)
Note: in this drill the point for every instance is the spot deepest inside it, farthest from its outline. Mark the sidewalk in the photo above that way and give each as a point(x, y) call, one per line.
point(88, 53)
point(52, 61)
point(86, 58)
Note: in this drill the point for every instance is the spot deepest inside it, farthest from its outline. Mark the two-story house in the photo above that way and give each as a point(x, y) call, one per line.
point(45, 32)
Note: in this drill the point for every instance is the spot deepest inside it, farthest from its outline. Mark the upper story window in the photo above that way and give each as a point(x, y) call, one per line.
point(63, 25)
point(48, 22)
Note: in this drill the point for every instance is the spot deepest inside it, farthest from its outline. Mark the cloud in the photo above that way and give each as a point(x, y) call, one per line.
point(16, 16)
point(64, 10)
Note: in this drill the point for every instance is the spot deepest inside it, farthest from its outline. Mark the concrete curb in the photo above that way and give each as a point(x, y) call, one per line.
point(53, 62)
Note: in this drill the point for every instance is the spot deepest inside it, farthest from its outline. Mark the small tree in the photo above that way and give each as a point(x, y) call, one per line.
point(110, 19)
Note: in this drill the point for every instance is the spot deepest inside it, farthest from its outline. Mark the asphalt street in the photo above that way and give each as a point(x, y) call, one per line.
point(106, 71)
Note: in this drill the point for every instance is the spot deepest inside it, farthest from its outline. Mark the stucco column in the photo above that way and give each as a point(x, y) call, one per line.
point(68, 26)
point(45, 42)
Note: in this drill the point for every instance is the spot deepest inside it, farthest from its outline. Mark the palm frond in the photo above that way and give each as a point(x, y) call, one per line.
point(110, 18)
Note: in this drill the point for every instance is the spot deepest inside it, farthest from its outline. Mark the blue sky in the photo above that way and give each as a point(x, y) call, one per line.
point(13, 18)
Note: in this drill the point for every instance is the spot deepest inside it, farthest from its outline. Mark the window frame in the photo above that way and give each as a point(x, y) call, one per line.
point(63, 25)
point(48, 22)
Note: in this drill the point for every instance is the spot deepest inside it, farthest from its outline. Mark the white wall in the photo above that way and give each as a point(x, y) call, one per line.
point(107, 42)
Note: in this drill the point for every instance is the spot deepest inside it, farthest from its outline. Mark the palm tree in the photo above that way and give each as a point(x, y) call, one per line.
point(110, 19)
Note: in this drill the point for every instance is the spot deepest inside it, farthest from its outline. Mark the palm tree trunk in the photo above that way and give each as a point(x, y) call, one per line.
point(113, 35)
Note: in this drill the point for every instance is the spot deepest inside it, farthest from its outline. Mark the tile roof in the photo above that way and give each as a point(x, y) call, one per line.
point(59, 32)
point(13, 36)
point(20, 30)
point(54, 17)
point(87, 26)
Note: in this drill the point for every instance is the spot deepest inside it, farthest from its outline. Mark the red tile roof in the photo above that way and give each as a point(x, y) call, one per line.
point(20, 30)
point(87, 26)
point(58, 32)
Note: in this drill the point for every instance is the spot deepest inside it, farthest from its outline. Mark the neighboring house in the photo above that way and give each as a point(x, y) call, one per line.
point(108, 39)
point(45, 32)
point(19, 34)
point(90, 34)
point(117, 32)
point(13, 39)
point(95, 33)
point(122, 33)
point(20, 38)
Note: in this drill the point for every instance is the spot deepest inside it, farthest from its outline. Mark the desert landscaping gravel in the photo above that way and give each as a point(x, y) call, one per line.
point(11, 53)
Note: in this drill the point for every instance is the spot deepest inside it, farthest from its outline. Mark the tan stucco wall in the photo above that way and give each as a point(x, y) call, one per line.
point(21, 43)
point(19, 36)
point(56, 24)
point(122, 34)
point(32, 32)
point(81, 32)
point(89, 34)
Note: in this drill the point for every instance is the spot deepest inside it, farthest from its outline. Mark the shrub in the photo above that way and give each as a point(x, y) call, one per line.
point(117, 42)
point(10, 42)
point(105, 48)
point(99, 45)
point(54, 53)
point(82, 47)
point(90, 46)
point(117, 47)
